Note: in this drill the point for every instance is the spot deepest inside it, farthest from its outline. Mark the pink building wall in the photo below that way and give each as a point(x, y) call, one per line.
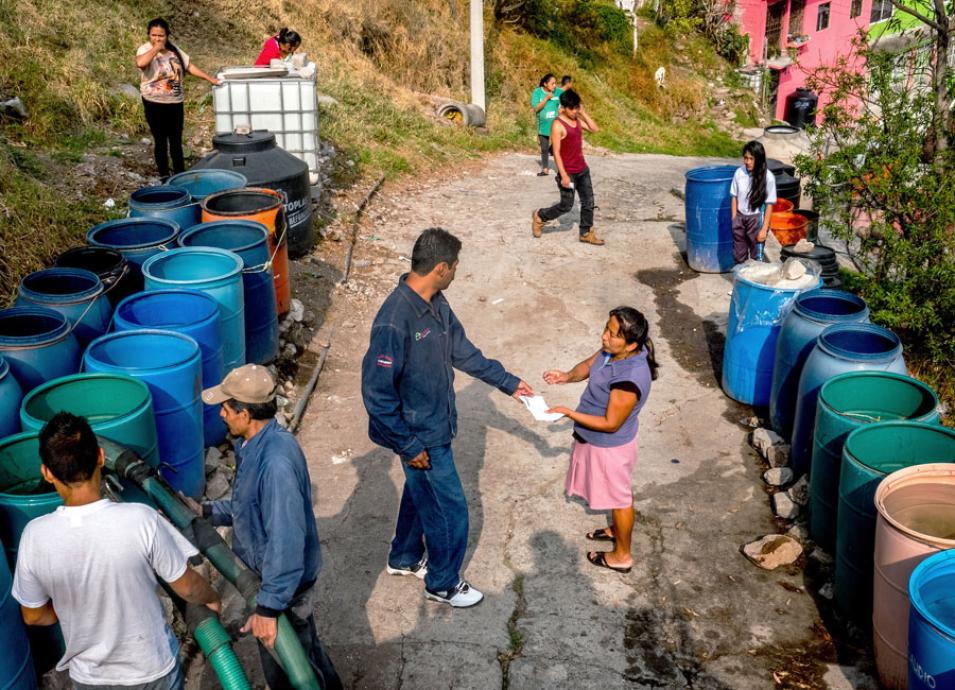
point(823, 47)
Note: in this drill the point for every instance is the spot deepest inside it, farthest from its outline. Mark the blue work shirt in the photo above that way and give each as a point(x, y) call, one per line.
point(270, 510)
point(407, 376)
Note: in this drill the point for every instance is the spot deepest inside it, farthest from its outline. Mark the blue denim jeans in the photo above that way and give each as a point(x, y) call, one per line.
point(433, 514)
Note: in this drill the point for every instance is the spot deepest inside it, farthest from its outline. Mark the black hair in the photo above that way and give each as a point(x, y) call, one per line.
point(259, 411)
point(434, 246)
point(635, 328)
point(164, 25)
point(289, 37)
point(68, 448)
point(566, 79)
point(570, 99)
point(757, 190)
point(546, 78)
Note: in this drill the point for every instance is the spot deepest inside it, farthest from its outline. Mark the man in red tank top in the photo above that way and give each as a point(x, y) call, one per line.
point(573, 174)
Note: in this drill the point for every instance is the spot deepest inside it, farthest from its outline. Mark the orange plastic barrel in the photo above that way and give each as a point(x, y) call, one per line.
point(788, 227)
point(265, 206)
point(916, 519)
point(782, 206)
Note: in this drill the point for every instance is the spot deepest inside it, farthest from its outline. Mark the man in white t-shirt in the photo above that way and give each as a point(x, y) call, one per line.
point(92, 565)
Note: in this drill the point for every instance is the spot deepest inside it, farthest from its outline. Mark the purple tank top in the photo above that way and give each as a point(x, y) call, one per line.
point(604, 373)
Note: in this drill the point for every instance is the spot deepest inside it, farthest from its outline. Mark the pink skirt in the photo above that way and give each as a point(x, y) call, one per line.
point(602, 476)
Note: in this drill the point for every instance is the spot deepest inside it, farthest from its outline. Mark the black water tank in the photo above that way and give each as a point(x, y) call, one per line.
point(801, 108)
point(265, 164)
point(788, 187)
point(777, 167)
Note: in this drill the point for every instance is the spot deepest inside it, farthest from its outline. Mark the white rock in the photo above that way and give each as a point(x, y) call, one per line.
point(110, 203)
point(799, 532)
point(763, 439)
point(217, 485)
point(778, 455)
point(297, 310)
point(778, 476)
point(289, 351)
point(799, 492)
point(772, 551)
point(784, 506)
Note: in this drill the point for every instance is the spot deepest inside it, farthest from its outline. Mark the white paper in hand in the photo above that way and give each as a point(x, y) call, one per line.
point(537, 407)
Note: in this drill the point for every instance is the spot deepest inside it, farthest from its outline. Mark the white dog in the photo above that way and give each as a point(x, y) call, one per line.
point(661, 77)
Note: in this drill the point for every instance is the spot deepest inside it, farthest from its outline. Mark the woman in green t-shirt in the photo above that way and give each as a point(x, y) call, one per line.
point(545, 100)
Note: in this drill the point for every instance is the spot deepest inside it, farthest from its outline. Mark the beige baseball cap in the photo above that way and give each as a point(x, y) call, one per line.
point(249, 383)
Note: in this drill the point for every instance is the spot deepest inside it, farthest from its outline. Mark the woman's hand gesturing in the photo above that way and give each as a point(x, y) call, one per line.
point(553, 376)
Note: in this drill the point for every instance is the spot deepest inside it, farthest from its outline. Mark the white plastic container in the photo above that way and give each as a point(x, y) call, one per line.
point(287, 107)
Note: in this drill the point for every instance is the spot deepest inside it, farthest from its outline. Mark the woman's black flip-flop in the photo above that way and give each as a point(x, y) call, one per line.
point(600, 535)
point(599, 559)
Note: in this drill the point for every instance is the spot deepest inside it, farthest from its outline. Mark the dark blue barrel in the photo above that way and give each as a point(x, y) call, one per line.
point(755, 319)
point(839, 348)
point(171, 365)
point(812, 312)
point(191, 313)
point(111, 267)
point(76, 293)
point(250, 240)
point(10, 397)
point(38, 344)
point(137, 239)
point(172, 203)
point(16, 665)
point(202, 183)
point(932, 623)
point(709, 232)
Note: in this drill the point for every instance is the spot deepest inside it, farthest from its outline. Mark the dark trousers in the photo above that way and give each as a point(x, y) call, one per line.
point(544, 143)
point(585, 190)
point(165, 121)
point(301, 615)
point(745, 231)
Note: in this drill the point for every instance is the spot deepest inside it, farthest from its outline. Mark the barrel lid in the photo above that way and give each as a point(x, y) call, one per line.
point(256, 140)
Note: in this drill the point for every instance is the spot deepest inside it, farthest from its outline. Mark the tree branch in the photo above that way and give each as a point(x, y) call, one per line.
point(897, 4)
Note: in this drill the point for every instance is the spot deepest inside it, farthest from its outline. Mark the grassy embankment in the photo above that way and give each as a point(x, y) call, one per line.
point(377, 58)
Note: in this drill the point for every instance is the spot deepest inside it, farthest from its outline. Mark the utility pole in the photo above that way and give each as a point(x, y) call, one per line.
point(477, 54)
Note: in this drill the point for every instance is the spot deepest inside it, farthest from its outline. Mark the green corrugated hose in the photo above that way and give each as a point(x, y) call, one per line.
point(202, 534)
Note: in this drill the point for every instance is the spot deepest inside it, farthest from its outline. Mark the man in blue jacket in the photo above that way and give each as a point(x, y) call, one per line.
point(407, 385)
point(273, 526)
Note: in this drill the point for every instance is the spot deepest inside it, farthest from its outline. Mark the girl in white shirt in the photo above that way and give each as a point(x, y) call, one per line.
point(753, 192)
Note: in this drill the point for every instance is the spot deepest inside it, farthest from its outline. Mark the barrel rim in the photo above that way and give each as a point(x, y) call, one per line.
point(823, 342)
point(692, 174)
point(823, 317)
point(83, 296)
point(737, 278)
point(178, 177)
point(71, 379)
point(264, 191)
point(4, 367)
point(185, 197)
point(922, 570)
point(209, 300)
point(110, 224)
point(907, 476)
point(209, 225)
point(839, 379)
point(148, 265)
point(878, 427)
point(195, 352)
point(61, 332)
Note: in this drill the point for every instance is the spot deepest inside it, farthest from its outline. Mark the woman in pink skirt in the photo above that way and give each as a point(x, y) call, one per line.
point(605, 428)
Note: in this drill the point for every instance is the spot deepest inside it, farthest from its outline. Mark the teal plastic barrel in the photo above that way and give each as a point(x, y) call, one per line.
point(10, 396)
point(24, 494)
point(218, 273)
point(118, 407)
point(170, 364)
point(203, 182)
point(871, 453)
point(170, 203)
point(847, 402)
point(932, 623)
point(16, 664)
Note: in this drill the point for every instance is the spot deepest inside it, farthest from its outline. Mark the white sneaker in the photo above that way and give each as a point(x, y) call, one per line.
point(461, 597)
point(419, 569)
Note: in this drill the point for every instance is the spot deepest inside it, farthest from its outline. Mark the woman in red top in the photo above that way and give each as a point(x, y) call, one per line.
point(279, 47)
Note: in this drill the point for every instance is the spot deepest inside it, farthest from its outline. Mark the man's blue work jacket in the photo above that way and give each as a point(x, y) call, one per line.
point(270, 510)
point(407, 376)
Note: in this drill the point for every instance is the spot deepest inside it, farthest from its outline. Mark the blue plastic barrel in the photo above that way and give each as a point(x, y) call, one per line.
point(709, 231)
point(250, 240)
point(191, 313)
point(755, 319)
point(171, 365)
point(10, 396)
point(202, 183)
point(932, 623)
point(76, 293)
point(38, 344)
point(137, 239)
point(812, 312)
point(838, 349)
point(16, 665)
point(218, 273)
point(172, 203)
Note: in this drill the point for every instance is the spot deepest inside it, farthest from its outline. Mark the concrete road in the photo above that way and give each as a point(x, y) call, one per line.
point(693, 613)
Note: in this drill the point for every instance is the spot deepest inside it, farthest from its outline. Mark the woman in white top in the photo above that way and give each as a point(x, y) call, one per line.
point(753, 192)
point(163, 67)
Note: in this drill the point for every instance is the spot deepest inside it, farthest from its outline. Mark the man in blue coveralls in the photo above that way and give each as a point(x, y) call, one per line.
point(407, 385)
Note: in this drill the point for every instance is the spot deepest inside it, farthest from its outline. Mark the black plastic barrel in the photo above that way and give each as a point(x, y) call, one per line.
point(822, 255)
point(777, 167)
point(801, 108)
point(109, 264)
point(813, 218)
point(788, 187)
point(265, 164)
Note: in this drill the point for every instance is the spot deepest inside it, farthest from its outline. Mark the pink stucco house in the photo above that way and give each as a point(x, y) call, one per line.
point(815, 32)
